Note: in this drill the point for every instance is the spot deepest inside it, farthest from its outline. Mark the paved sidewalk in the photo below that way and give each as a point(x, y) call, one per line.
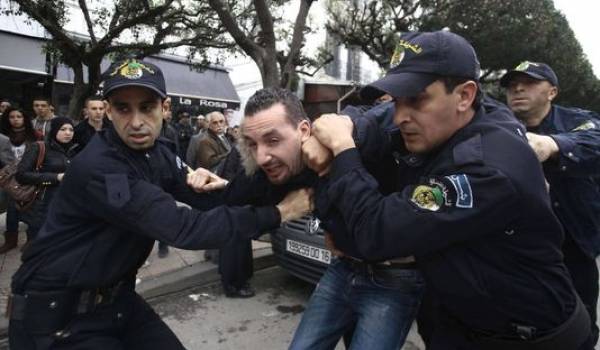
point(179, 270)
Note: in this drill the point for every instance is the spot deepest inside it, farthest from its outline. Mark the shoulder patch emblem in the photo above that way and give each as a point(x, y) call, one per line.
point(464, 195)
point(428, 197)
point(585, 126)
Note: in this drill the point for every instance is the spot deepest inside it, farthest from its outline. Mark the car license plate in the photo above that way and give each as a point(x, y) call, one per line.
point(308, 251)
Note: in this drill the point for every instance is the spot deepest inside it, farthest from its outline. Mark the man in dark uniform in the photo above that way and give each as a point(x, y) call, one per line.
point(567, 143)
point(473, 209)
point(75, 288)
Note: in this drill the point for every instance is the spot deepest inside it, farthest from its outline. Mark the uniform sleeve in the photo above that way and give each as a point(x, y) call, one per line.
point(143, 208)
point(423, 218)
point(579, 149)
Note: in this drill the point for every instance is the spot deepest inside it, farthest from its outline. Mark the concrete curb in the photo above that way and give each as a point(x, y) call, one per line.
point(198, 274)
point(194, 275)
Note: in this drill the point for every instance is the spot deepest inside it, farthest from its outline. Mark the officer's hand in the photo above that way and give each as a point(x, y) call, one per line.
point(334, 132)
point(543, 146)
point(202, 180)
point(296, 204)
point(316, 156)
point(331, 246)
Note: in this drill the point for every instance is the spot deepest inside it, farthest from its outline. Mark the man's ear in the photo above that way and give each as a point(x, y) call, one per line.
point(107, 110)
point(304, 127)
point(466, 95)
point(552, 93)
point(165, 105)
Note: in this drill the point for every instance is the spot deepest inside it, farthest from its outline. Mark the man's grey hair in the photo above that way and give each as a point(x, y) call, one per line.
point(214, 114)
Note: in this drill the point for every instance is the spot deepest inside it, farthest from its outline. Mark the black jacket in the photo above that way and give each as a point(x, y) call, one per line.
point(114, 202)
point(475, 213)
point(56, 161)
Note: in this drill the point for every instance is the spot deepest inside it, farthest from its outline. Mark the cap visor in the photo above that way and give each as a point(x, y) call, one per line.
point(506, 78)
point(105, 93)
point(398, 85)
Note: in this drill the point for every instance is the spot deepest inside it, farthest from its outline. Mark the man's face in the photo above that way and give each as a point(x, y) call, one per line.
point(202, 124)
point(275, 143)
point(217, 124)
point(184, 119)
point(428, 119)
point(528, 97)
point(95, 110)
point(137, 115)
point(41, 108)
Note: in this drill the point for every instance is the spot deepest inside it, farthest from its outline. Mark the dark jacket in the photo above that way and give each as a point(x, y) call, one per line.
point(574, 176)
point(84, 132)
point(113, 204)
point(478, 220)
point(56, 161)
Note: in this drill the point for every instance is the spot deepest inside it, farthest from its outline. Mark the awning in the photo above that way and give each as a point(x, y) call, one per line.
point(211, 87)
point(22, 53)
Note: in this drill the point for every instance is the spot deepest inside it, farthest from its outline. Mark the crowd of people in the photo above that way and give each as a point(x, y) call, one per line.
point(478, 220)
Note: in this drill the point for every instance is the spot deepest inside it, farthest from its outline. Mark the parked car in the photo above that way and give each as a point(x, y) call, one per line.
point(299, 248)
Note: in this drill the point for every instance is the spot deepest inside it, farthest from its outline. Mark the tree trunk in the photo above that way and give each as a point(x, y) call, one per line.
point(80, 92)
point(269, 70)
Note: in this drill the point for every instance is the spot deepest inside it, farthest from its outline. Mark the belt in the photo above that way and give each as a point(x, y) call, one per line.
point(362, 266)
point(73, 301)
point(569, 335)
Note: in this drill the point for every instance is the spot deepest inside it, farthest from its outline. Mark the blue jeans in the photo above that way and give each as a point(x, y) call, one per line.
point(382, 308)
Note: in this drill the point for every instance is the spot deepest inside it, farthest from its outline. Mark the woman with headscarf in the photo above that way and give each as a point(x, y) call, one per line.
point(59, 151)
point(17, 125)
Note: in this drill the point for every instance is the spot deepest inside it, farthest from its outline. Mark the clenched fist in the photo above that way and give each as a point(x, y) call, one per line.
point(543, 146)
point(334, 132)
point(316, 156)
point(296, 204)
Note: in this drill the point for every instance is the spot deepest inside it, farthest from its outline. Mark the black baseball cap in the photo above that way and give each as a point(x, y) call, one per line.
point(134, 72)
point(420, 58)
point(536, 70)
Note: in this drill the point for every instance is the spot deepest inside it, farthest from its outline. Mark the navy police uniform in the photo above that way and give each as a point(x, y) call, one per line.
point(575, 193)
point(482, 229)
point(474, 212)
point(573, 175)
point(75, 287)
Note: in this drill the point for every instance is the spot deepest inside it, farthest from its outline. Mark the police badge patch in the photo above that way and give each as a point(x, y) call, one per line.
point(132, 69)
point(428, 197)
point(398, 55)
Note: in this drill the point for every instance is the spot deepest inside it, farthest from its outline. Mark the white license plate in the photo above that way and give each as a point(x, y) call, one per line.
point(308, 251)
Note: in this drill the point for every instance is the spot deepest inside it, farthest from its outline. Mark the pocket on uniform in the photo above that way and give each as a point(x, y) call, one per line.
point(117, 189)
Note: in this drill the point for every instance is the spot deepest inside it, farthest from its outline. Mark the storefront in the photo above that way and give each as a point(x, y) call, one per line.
point(26, 72)
point(23, 69)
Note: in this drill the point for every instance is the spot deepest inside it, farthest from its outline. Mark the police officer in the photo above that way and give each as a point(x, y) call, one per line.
point(75, 288)
point(475, 212)
point(567, 143)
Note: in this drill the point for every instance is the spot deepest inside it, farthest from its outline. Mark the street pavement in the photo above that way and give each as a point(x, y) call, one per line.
point(203, 318)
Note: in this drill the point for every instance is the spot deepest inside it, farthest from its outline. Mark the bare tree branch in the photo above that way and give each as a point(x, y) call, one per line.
point(88, 21)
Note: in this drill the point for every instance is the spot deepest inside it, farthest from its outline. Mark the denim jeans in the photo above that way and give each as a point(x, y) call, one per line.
point(381, 308)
